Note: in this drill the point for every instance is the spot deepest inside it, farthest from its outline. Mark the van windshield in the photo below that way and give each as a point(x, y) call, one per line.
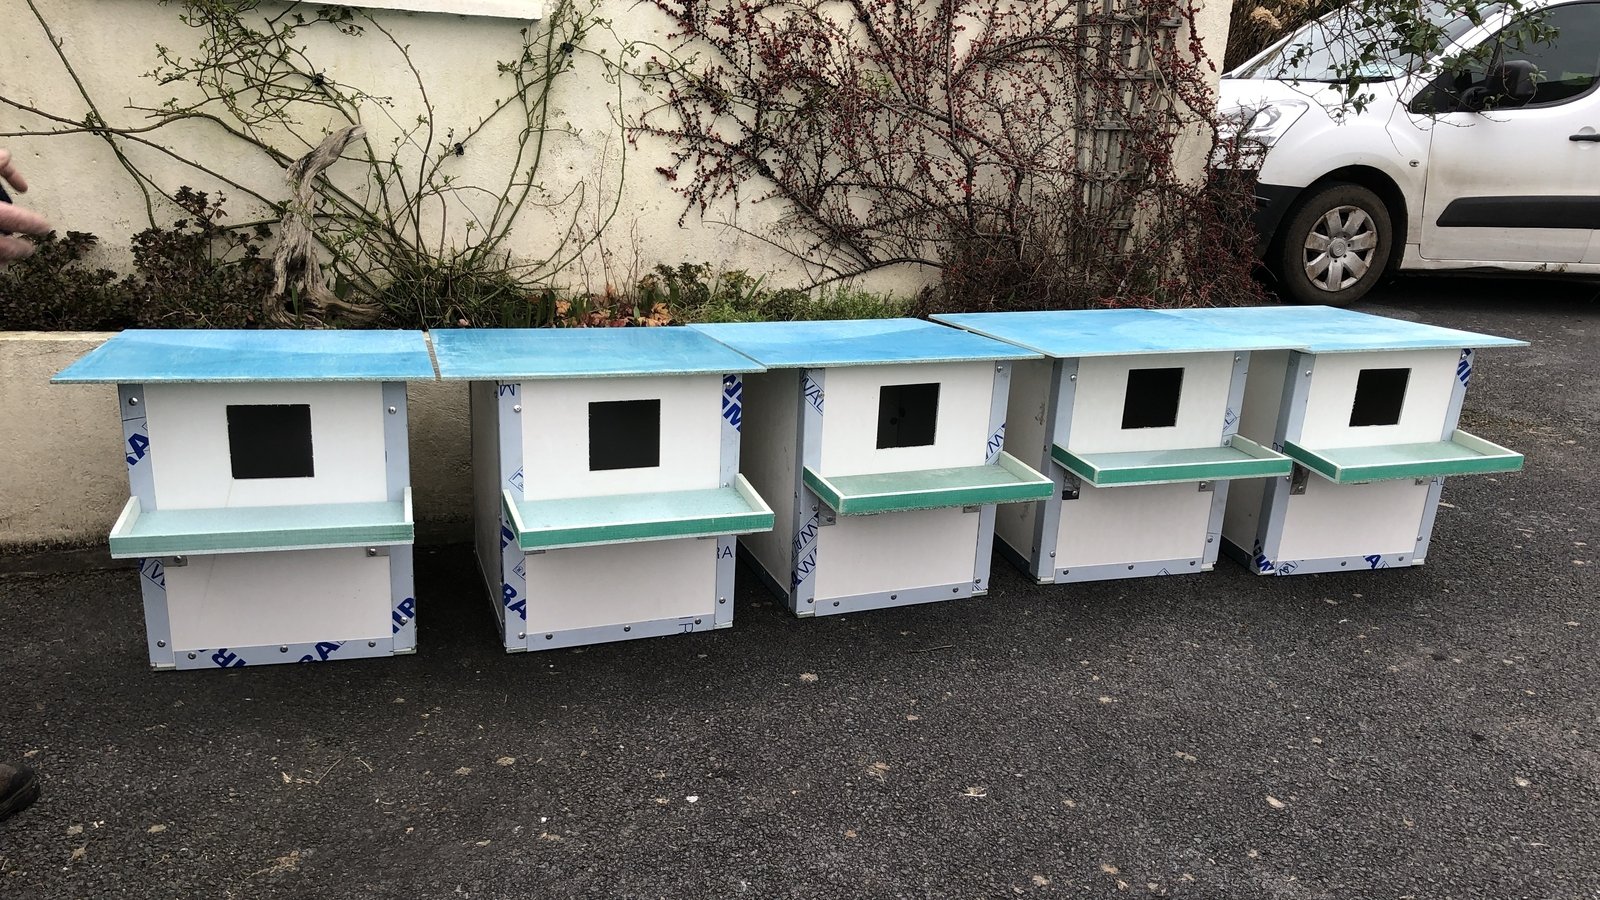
point(1328, 49)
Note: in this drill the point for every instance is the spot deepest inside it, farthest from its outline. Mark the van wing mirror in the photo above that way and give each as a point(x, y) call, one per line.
point(1511, 80)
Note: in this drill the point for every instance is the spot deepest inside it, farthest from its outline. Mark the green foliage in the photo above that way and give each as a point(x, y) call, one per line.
point(696, 292)
point(194, 274)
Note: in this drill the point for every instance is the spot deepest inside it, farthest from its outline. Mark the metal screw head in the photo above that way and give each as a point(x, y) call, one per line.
point(955, 590)
point(722, 599)
point(372, 551)
point(283, 648)
point(393, 410)
point(891, 597)
point(697, 621)
point(1072, 378)
point(518, 407)
point(522, 635)
point(1211, 540)
point(1236, 358)
point(1052, 554)
point(549, 637)
point(161, 643)
point(836, 603)
point(372, 643)
point(1308, 373)
point(191, 656)
point(627, 628)
point(133, 401)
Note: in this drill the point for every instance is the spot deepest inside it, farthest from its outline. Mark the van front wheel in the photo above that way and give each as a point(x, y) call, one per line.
point(1334, 246)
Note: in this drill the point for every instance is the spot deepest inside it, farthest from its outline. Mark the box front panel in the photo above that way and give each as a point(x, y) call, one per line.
point(854, 424)
point(896, 551)
point(1115, 411)
point(1337, 520)
point(1341, 396)
point(286, 597)
point(678, 445)
point(618, 584)
point(193, 456)
point(1107, 526)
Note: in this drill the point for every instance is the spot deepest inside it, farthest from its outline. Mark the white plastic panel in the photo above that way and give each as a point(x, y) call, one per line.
point(189, 445)
point(586, 587)
point(894, 551)
point(1026, 414)
point(850, 430)
point(555, 435)
point(486, 480)
point(1333, 520)
point(1102, 388)
point(766, 458)
point(1263, 395)
point(291, 597)
point(1133, 524)
point(1333, 391)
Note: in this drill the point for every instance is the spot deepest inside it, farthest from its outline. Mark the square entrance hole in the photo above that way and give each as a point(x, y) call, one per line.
point(1152, 398)
point(270, 441)
point(1380, 394)
point(907, 415)
point(624, 434)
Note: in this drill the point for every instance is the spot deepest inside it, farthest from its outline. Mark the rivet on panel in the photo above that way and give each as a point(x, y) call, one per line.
point(191, 656)
point(836, 603)
point(697, 621)
point(372, 643)
point(518, 407)
point(722, 599)
point(393, 410)
point(627, 628)
point(161, 643)
point(549, 637)
point(133, 401)
point(283, 648)
point(372, 551)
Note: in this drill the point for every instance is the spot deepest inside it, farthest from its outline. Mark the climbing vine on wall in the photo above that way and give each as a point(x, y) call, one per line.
point(386, 213)
point(1027, 151)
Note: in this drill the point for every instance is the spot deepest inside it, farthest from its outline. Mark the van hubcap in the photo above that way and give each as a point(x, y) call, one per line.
point(1339, 248)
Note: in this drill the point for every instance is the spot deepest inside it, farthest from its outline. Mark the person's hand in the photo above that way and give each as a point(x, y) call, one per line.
point(15, 218)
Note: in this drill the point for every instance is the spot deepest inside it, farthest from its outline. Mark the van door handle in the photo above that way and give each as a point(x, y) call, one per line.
point(1592, 137)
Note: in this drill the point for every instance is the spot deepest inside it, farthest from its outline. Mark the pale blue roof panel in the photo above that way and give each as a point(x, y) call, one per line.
point(857, 342)
point(515, 354)
point(1324, 329)
point(174, 356)
point(1078, 333)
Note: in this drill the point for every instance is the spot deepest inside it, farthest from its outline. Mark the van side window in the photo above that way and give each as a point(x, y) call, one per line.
point(1562, 43)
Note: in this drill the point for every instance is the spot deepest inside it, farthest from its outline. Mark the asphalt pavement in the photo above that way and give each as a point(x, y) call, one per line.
point(1421, 733)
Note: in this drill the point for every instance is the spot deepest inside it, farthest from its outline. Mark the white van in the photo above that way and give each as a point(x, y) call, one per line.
point(1491, 165)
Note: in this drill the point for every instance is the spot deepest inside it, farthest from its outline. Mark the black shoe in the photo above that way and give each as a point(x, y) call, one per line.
point(19, 787)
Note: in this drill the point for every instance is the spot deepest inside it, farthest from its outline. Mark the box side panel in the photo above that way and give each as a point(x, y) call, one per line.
point(1335, 520)
point(555, 433)
point(896, 551)
point(961, 433)
point(486, 481)
point(1133, 524)
point(588, 587)
point(1258, 421)
point(1428, 391)
point(767, 460)
point(193, 470)
point(290, 597)
point(1026, 416)
point(1097, 410)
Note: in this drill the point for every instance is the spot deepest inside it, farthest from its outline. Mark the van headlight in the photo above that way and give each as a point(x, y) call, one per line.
point(1266, 123)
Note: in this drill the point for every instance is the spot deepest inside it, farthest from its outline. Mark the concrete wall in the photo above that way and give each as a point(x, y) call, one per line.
point(63, 481)
point(588, 166)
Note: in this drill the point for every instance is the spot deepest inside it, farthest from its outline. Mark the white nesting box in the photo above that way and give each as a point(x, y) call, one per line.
point(606, 479)
point(1367, 407)
point(1134, 414)
point(271, 506)
point(879, 445)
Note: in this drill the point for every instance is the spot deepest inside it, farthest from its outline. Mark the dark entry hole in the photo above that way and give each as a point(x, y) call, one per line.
point(907, 415)
point(270, 441)
point(1380, 393)
point(624, 434)
point(1152, 398)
